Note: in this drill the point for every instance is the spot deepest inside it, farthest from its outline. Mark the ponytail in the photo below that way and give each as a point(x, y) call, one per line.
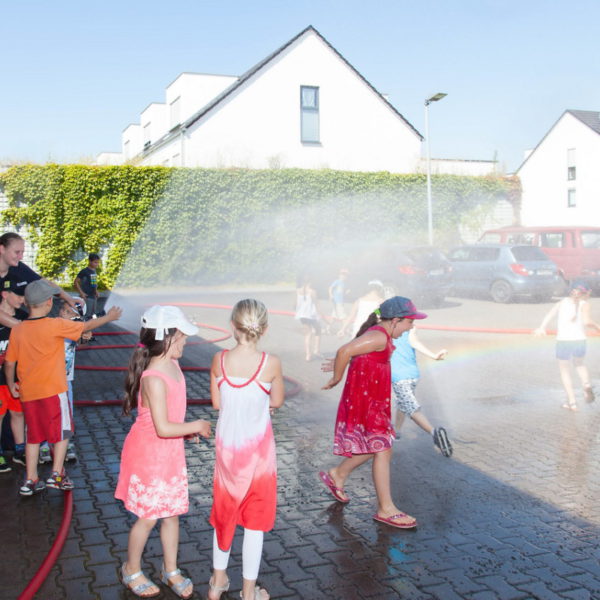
point(372, 319)
point(147, 349)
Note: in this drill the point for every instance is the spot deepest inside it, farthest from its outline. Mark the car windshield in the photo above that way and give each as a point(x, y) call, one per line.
point(524, 253)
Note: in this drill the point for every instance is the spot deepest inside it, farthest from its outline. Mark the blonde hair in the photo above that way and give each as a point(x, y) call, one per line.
point(250, 318)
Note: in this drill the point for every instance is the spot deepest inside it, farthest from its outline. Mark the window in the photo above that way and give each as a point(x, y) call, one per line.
point(309, 114)
point(147, 135)
point(484, 254)
point(571, 167)
point(552, 240)
point(525, 253)
point(590, 239)
point(571, 198)
point(521, 238)
point(175, 108)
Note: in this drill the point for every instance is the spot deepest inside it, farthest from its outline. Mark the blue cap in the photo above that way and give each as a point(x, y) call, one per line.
point(400, 307)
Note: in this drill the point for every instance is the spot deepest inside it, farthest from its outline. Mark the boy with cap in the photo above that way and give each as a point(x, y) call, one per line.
point(37, 345)
point(11, 302)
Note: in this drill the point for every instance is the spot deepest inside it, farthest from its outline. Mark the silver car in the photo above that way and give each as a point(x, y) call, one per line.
point(503, 271)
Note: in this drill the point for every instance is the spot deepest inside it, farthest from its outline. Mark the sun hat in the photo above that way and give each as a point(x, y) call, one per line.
point(14, 287)
point(39, 291)
point(398, 306)
point(162, 318)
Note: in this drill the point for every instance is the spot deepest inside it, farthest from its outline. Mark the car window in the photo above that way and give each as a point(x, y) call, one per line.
point(590, 239)
point(522, 237)
point(459, 254)
point(524, 253)
point(555, 239)
point(484, 254)
point(491, 238)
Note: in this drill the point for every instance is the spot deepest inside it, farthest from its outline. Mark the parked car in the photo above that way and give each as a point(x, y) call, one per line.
point(574, 249)
point(503, 271)
point(422, 272)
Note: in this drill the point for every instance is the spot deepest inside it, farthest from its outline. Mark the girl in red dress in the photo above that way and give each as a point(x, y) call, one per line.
point(363, 428)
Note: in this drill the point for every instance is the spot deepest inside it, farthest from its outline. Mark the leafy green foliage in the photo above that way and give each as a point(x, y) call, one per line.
point(191, 225)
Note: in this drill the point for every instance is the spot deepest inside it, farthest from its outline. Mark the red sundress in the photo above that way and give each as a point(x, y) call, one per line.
point(363, 424)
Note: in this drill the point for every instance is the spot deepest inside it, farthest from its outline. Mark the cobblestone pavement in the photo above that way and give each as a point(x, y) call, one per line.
point(513, 515)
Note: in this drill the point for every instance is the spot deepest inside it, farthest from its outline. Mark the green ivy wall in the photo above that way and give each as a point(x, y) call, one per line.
point(164, 225)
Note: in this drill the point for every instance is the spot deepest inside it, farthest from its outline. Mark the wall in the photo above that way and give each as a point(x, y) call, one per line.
point(544, 177)
point(258, 126)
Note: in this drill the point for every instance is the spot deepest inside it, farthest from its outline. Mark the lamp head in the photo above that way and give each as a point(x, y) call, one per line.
point(435, 98)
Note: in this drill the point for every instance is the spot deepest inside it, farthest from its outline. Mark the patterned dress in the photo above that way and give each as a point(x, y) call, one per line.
point(153, 479)
point(363, 424)
point(245, 481)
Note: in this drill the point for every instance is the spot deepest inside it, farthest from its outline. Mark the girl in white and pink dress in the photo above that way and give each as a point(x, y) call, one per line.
point(245, 385)
point(153, 480)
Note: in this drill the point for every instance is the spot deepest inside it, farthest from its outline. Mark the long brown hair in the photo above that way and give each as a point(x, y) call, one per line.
point(372, 319)
point(147, 349)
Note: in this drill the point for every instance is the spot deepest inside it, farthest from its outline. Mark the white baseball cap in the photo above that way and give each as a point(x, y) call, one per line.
point(162, 318)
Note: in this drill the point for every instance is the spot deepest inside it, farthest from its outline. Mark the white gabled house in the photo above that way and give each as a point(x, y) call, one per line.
point(561, 176)
point(302, 106)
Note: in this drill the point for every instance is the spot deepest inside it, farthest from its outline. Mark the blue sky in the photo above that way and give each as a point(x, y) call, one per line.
point(75, 74)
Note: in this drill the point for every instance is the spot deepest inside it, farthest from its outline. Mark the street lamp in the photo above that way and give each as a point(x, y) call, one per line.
point(433, 98)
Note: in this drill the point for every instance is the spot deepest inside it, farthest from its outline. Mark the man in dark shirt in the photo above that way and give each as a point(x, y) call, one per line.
point(86, 284)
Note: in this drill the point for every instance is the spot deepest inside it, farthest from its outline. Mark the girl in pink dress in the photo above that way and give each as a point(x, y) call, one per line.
point(363, 428)
point(245, 386)
point(153, 477)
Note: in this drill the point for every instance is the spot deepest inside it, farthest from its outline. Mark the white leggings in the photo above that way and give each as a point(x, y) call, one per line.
point(251, 554)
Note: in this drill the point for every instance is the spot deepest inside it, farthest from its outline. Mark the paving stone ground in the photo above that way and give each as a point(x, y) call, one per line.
point(513, 515)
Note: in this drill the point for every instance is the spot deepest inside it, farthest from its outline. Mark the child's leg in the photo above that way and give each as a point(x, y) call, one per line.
point(169, 537)
point(60, 451)
point(565, 376)
point(340, 473)
point(251, 555)
point(307, 340)
point(138, 536)
point(422, 421)
point(220, 561)
point(582, 371)
point(17, 425)
point(32, 453)
point(381, 480)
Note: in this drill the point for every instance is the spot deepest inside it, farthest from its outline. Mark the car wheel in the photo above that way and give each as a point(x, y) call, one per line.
point(501, 291)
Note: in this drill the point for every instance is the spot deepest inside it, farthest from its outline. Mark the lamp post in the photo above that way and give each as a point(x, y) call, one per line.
point(433, 98)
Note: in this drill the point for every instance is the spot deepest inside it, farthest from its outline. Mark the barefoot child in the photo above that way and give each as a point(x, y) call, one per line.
point(153, 480)
point(405, 376)
point(363, 429)
point(245, 384)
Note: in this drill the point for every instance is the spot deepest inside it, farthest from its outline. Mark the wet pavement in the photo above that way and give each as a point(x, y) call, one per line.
point(513, 514)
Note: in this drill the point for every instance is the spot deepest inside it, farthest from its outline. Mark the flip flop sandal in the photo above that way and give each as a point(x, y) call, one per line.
point(570, 406)
point(393, 523)
point(335, 491)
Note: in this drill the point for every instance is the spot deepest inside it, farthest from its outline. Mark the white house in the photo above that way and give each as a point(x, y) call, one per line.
point(302, 106)
point(561, 175)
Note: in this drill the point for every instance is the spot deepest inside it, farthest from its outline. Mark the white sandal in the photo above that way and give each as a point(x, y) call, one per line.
point(257, 595)
point(219, 589)
point(177, 587)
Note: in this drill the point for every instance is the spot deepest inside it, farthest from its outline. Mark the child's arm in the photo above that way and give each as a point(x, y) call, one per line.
point(372, 341)
point(541, 330)
point(9, 373)
point(587, 319)
point(351, 318)
point(77, 286)
point(215, 371)
point(419, 346)
point(277, 396)
point(7, 320)
point(154, 395)
point(113, 314)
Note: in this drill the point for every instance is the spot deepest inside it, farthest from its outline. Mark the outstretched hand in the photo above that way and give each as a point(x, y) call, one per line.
point(327, 365)
point(331, 383)
point(539, 331)
point(441, 354)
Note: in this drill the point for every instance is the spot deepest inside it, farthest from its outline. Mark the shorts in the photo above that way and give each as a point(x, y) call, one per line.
point(8, 402)
point(313, 324)
point(48, 419)
point(404, 390)
point(566, 350)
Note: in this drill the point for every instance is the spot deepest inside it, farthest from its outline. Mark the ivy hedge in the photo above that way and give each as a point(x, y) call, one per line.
point(158, 225)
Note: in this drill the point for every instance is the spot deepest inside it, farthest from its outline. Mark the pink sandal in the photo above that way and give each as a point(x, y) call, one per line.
point(335, 491)
point(392, 520)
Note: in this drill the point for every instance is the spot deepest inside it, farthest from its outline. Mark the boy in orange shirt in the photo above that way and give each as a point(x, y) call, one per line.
point(37, 353)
